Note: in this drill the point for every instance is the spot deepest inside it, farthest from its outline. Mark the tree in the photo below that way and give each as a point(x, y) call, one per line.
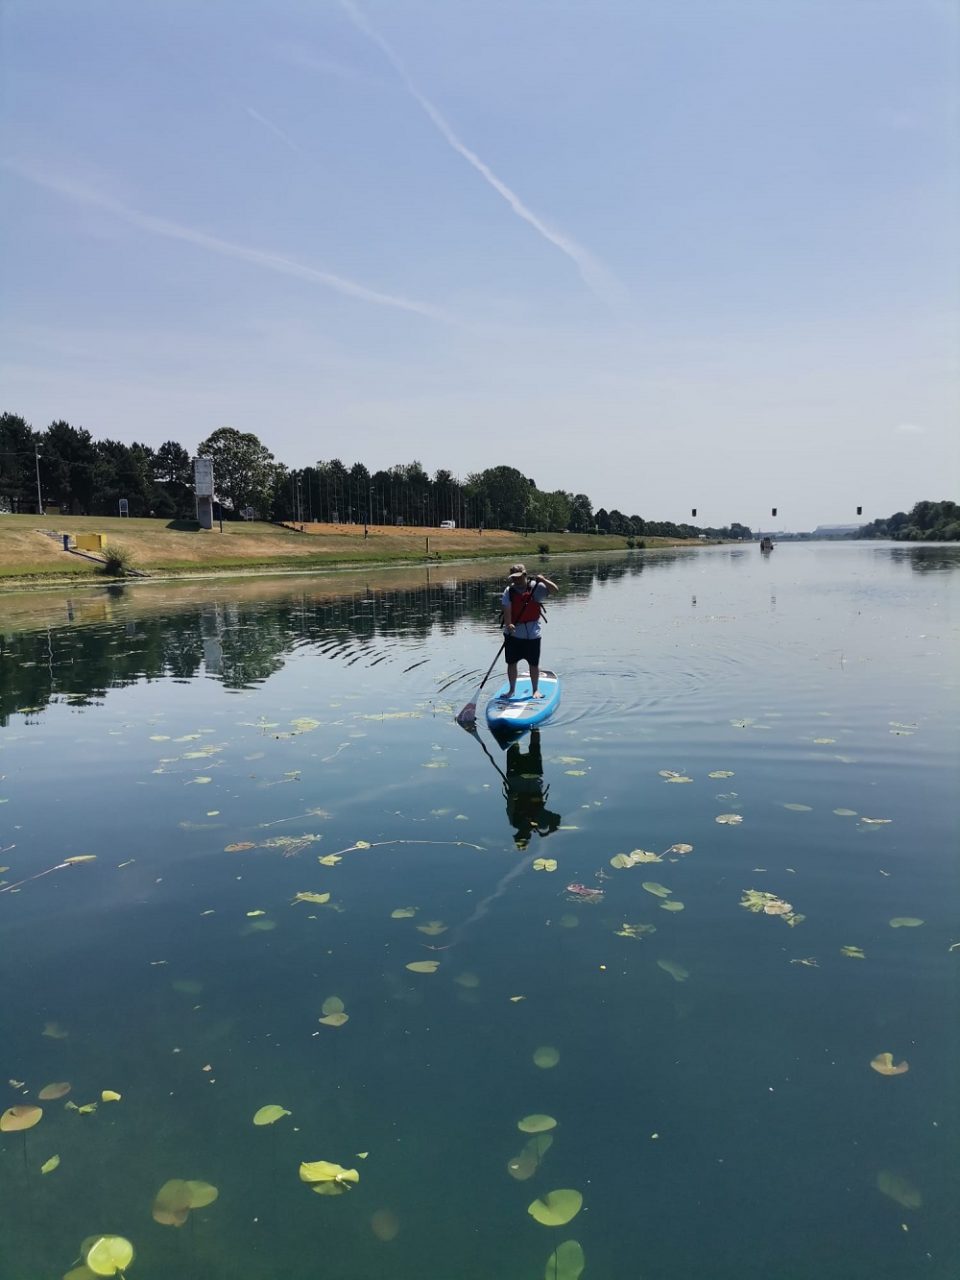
point(18, 476)
point(67, 464)
point(171, 471)
point(243, 468)
point(581, 514)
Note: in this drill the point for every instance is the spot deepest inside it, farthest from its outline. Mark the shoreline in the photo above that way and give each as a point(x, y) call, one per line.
point(51, 581)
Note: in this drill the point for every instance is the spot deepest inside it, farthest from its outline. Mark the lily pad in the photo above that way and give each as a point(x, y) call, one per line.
point(332, 1004)
point(905, 922)
point(433, 928)
point(544, 864)
point(527, 1162)
point(658, 890)
point(566, 1262)
point(319, 898)
point(729, 819)
point(107, 1255)
point(536, 1124)
point(403, 913)
point(799, 808)
point(676, 971)
point(24, 1116)
point(334, 1019)
point(556, 1208)
point(48, 1166)
point(270, 1114)
point(853, 953)
point(424, 966)
point(546, 1056)
point(673, 905)
point(721, 773)
point(899, 1189)
point(50, 1092)
point(884, 1065)
point(328, 1178)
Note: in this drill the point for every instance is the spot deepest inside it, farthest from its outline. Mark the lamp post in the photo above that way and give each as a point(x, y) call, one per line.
point(36, 455)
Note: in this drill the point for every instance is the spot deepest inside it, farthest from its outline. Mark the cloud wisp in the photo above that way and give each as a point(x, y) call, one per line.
point(593, 273)
point(276, 262)
point(273, 128)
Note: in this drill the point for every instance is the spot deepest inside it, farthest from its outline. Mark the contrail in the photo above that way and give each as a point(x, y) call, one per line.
point(594, 274)
point(227, 248)
point(274, 128)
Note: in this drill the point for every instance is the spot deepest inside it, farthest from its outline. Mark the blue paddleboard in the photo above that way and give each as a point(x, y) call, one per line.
point(522, 710)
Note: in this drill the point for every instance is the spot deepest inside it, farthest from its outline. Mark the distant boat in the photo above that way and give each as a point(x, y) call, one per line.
point(766, 544)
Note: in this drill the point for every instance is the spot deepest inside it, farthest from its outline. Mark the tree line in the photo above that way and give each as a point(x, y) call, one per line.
point(84, 476)
point(925, 522)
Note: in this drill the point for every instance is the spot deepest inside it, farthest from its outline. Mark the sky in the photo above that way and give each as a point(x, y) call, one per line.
point(668, 254)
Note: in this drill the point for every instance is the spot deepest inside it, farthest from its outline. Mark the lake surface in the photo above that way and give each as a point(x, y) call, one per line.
point(210, 745)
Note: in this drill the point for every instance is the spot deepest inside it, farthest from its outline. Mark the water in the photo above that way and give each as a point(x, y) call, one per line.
point(727, 1124)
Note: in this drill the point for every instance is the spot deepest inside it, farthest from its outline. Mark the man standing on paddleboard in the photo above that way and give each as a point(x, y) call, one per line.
point(521, 601)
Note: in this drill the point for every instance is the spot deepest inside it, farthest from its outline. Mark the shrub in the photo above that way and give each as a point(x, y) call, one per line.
point(631, 543)
point(544, 548)
point(118, 561)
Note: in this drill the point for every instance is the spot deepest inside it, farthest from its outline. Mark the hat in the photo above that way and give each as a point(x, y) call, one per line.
point(516, 568)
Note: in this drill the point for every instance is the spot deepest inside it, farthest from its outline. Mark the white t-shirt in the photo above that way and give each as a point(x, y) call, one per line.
point(527, 630)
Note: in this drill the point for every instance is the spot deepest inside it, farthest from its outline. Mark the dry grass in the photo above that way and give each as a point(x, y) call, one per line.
point(160, 548)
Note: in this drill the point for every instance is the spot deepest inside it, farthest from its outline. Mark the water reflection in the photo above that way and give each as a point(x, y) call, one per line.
point(240, 633)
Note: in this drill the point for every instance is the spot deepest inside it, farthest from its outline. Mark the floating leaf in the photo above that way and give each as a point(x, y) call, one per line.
point(575, 773)
point(680, 848)
point(24, 1116)
point(671, 906)
point(721, 773)
point(324, 1173)
point(201, 1194)
point(845, 813)
point(49, 1092)
point(546, 1056)
point(258, 912)
point(566, 1262)
point(110, 1095)
point(556, 1208)
point(621, 861)
point(658, 890)
point(320, 898)
point(403, 913)
point(362, 844)
point(424, 966)
point(876, 822)
point(822, 742)
point(79, 857)
point(883, 1064)
point(544, 864)
point(799, 808)
point(334, 1019)
point(467, 980)
point(899, 1189)
point(635, 930)
point(54, 1031)
point(329, 859)
point(905, 922)
point(676, 971)
point(240, 847)
point(536, 1124)
point(48, 1166)
point(270, 1114)
point(433, 928)
point(855, 953)
point(332, 1004)
point(107, 1255)
point(525, 1165)
point(757, 900)
point(262, 926)
point(171, 1204)
point(729, 819)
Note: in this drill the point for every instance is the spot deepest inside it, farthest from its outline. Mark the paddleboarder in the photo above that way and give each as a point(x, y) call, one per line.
point(521, 612)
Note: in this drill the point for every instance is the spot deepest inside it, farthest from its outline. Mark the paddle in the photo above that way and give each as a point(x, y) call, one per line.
point(468, 714)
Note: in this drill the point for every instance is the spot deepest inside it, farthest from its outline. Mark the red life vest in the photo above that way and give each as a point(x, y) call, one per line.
point(523, 606)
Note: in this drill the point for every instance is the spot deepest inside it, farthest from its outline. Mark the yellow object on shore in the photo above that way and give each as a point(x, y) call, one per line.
point(89, 541)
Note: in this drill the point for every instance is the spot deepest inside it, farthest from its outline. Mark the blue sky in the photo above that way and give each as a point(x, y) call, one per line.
point(672, 254)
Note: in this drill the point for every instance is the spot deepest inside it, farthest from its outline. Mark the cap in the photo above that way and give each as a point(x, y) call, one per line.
point(517, 568)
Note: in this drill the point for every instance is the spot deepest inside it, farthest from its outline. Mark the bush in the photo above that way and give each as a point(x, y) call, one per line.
point(118, 561)
point(631, 543)
point(544, 548)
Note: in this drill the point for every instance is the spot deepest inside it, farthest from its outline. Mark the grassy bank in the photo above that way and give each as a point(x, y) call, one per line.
point(169, 549)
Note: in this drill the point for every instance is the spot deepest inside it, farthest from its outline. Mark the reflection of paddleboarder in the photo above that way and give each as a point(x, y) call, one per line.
point(525, 793)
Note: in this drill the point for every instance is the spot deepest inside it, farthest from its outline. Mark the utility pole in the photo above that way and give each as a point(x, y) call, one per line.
point(36, 455)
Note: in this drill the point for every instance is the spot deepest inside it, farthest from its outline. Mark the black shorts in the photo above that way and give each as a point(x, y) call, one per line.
point(517, 650)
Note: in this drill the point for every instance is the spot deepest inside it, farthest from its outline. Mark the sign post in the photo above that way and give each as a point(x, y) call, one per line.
point(124, 506)
point(203, 489)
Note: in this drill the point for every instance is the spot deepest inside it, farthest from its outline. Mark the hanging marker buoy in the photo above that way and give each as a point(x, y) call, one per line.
point(694, 511)
point(859, 511)
point(773, 511)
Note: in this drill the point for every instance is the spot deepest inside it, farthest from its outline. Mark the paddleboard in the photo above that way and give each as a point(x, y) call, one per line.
point(523, 710)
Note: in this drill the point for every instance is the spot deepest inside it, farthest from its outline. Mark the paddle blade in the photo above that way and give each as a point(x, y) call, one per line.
point(468, 715)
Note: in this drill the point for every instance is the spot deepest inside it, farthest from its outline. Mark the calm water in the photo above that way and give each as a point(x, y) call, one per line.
point(714, 1097)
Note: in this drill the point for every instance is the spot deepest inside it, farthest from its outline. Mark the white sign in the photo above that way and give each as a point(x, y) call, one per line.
point(124, 506)
point(203, 477)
